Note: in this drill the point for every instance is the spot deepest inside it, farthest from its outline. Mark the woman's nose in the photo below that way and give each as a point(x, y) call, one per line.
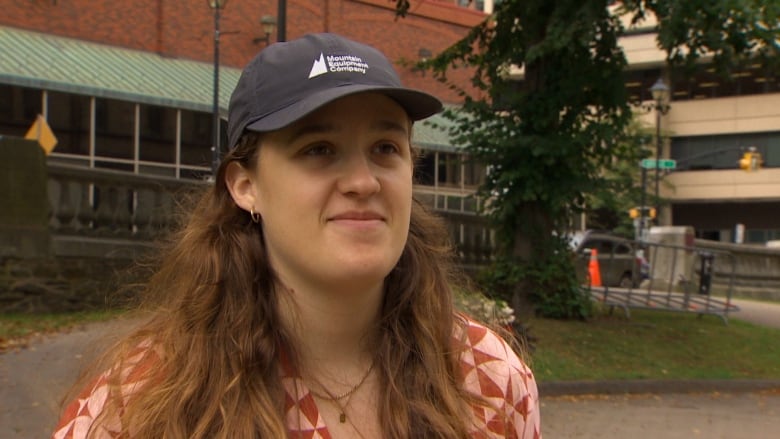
point(358, 176)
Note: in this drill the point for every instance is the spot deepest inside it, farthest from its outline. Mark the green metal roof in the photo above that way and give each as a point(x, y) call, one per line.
point(43, 61)
point(431, 133)
point(37, 60)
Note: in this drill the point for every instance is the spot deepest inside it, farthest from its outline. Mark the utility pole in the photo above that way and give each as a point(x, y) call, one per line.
point(216, 148)
point(660, 92)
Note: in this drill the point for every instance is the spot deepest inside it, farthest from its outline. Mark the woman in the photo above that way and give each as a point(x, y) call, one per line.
point(309, 295)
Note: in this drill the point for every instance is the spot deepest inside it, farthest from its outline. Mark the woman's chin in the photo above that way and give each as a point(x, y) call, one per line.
point(358, 272)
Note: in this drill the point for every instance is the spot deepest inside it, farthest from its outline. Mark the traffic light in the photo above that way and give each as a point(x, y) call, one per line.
point(751, 160)
point(636, 212)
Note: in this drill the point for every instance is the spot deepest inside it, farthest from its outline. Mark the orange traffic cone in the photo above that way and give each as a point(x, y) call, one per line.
point(593, 269)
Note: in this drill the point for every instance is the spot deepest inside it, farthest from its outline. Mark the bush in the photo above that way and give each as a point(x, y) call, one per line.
point(550, 282)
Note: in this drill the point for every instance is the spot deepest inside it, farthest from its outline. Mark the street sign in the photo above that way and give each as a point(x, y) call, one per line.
point(661, 164)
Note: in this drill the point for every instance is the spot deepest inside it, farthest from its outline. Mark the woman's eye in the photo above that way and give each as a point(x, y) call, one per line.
point(318, 150)
point(386, 148)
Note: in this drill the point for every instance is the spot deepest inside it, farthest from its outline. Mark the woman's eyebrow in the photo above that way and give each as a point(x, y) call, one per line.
point(382, 125)
point(389, 125)
point(312, 128)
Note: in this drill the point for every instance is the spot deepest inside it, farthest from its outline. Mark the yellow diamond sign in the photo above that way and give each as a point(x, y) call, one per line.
point(41, 132)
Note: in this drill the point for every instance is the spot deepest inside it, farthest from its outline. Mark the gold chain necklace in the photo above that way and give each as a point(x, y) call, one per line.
point(329, 396)
point(343, 413)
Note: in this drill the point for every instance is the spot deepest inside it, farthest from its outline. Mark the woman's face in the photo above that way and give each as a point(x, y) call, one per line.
point(334, 191)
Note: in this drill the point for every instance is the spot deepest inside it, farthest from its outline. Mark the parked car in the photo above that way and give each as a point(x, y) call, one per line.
point(621, 261)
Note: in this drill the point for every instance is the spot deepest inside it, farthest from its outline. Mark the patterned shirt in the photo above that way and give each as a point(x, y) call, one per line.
point(491, 369)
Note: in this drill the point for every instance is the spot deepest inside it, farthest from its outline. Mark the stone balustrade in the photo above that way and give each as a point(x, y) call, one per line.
point(472, 237)
point(102, 212)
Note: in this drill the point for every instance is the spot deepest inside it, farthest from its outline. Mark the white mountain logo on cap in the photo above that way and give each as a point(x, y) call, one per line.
point(319, 67)
point(338, 64)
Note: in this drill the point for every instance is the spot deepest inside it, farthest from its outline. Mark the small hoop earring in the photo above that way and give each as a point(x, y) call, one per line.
point(254, 215)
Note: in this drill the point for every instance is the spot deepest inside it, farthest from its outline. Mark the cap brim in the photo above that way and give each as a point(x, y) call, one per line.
point(418, 105)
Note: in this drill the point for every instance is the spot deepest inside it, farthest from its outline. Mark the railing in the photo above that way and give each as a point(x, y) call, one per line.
point(757, 271)
point(101, 208)
point(679, 279)
point(102, 211)
point(472, 237)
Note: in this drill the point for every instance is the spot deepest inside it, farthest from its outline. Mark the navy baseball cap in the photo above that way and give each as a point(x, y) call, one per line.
point(288, 80)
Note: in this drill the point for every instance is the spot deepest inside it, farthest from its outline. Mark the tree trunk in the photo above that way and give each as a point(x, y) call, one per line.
point(532, 227)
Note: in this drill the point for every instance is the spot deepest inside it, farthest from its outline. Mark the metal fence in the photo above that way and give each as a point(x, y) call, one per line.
point(679, 278)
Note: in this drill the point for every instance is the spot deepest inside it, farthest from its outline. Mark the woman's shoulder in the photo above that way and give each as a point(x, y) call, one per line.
point(484, 340)
point(131, 373)
point(487, 357)
point(494, 372)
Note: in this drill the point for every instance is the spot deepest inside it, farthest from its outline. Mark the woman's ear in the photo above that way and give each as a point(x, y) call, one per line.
point(239, 182)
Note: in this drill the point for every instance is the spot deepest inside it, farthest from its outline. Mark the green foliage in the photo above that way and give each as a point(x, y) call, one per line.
point(558, 294)
point(727, 31)
point(555, 292)
point(607, 206)
point(547, 138)
point(556, 138)
point(499, 279)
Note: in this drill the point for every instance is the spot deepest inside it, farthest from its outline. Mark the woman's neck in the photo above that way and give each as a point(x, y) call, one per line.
point(333, 329)
point(334, 334)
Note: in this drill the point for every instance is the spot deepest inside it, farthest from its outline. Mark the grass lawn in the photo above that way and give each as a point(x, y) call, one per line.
point(16, 330)
point(653, 345)
point(649, 345)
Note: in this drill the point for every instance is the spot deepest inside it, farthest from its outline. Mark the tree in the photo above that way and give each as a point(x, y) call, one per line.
point(553, 137)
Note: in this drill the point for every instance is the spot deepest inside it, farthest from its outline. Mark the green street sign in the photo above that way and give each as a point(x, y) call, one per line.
point(661, 164)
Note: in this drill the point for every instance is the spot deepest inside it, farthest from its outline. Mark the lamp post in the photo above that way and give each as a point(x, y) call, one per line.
point(268, 23)
point(282, 15)
point(660, 92)
point(216, 150)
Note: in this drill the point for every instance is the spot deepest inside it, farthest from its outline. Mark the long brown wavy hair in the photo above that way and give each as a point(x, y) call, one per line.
point(216, 334)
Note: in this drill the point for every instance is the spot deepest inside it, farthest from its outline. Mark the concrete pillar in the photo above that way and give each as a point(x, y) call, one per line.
point(24, 207)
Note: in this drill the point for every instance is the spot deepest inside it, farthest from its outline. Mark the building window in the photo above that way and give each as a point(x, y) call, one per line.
point(703, 83)
point(473, 173)
point(761, 236)
point(195, 144)
point(449, 169)
point(157, 132)
point(425, 168)
point(114, 133)
point(68, 116)
point(454, 170)
point(724, 151)
point(751, 79)
point(638, 83)
point(19, 106)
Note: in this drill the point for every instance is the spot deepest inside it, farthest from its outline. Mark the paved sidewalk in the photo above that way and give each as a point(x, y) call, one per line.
point(669, 416)
point(34, 380)
point(759, 313)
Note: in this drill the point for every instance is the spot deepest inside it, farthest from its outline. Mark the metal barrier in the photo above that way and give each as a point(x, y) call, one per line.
point(679, 279)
